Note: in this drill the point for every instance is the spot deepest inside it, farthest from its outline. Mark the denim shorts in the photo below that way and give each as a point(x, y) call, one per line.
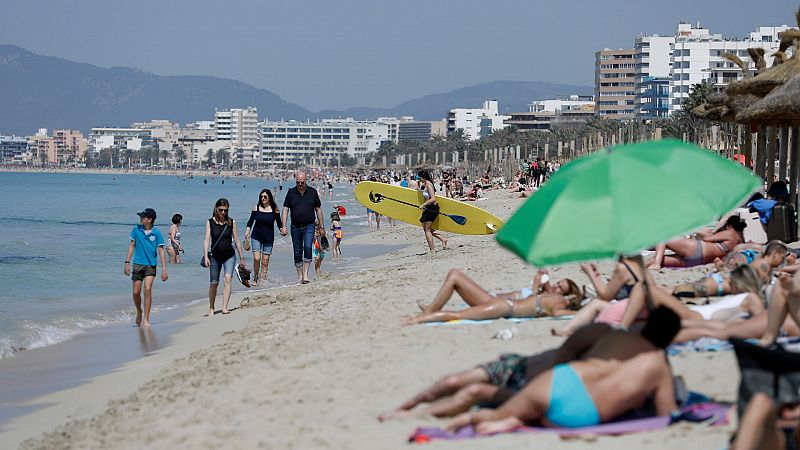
point(217, 267)
point(257, 246)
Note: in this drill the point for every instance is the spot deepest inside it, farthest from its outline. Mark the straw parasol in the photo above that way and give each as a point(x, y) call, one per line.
point(781, 107)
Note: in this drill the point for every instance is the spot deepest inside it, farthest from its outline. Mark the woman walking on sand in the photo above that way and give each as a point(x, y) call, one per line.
point(263, 219)
point(220, 247)
point(430, 210)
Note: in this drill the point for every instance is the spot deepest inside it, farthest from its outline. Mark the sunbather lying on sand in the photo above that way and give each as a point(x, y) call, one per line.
point(749, 301)
point(474, 295)
point(702, 248)
point(564, 298)
point(581, 393)
point(743, 282)
point(717, 284)
point(493, 383)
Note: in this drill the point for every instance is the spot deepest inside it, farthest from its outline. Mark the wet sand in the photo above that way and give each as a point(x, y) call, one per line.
point(311, 366)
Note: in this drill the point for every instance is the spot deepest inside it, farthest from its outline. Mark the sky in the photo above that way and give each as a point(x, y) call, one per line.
point(338, 54)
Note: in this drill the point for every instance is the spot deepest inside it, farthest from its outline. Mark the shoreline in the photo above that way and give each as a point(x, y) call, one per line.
point(311, 366)
point(184, 329)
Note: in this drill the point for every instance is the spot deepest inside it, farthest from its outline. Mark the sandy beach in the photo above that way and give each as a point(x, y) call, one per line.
point(311, 366)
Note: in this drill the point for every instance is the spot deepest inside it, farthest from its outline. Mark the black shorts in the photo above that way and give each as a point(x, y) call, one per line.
point(429, 213)
point(139, 272)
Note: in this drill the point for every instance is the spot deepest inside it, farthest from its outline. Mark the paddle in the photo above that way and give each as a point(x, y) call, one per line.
point(376, 198)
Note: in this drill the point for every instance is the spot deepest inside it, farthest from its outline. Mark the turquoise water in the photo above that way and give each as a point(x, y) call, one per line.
point(66, 235)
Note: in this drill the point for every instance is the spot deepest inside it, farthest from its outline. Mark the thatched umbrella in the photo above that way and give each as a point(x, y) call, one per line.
point(781, 107)
point(768, 79)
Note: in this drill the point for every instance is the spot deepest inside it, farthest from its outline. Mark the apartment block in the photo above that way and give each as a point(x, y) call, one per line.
point(291, 142)
point(615, 83)
point(652, 58)
point(421, 131)
point(697, 56)
point(476, 122)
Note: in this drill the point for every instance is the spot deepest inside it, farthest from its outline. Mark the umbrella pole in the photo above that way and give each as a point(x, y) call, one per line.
point(784, 153)
point(794, 164)
point(773, 144)
point(761, 152)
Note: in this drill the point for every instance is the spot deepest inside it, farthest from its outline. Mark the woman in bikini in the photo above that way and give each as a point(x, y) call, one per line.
point(562, 298)
point(701, 248)
point(580, 394)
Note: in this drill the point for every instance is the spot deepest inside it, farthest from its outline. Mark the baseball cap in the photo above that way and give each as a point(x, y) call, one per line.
point(148, 212)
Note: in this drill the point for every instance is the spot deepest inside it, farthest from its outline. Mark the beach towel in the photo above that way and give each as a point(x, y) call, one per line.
point(715, 414)
point(513, 319)
point(700, 345)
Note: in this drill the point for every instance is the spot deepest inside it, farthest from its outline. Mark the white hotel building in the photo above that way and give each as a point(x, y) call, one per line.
point(476, 122)
point(697, 56)
point(292, 142)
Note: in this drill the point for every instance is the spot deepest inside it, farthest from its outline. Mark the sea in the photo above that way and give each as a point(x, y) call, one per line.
point(65, 239)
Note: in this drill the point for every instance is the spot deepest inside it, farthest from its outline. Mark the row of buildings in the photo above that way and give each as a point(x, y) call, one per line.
point(238, 133)
point(649, 80)
point(653, 78)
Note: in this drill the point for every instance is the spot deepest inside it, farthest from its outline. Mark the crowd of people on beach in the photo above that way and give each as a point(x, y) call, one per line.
point(301, 217)
point(613, 362)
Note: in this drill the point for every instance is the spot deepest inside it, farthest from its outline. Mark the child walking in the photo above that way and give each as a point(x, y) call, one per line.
point(319, 249)
point(338, 234)
point(146, 248)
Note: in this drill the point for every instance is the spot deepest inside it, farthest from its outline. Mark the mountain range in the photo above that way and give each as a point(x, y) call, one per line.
point(45, 91)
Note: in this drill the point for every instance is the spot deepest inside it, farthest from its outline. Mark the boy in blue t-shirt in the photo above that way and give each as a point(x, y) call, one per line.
point(147, 245)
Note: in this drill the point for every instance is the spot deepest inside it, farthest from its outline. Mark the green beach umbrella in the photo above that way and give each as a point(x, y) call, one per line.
point(621, 200)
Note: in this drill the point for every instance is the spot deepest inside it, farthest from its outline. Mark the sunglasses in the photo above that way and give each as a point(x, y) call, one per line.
point(264, 196)
point(301, 182)
point(222, 210)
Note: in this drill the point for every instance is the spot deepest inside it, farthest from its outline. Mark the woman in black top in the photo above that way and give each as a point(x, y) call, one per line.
point(263, 219)
point(220, 246)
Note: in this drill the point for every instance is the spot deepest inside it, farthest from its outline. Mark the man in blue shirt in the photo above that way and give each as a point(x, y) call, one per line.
point(146, 247)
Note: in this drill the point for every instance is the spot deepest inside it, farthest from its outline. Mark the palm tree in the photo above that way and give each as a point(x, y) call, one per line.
point(180, 155)
point(210, 158)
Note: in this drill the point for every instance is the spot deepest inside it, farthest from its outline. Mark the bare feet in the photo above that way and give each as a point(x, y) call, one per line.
point(225, 311)
point(411, 320)
point(396, 414)
point(422, 306)
point(444, 244)
point(138, 318)
point(146, 323)
point(210, 312)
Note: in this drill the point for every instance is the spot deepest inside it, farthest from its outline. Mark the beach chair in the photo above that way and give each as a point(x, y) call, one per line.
point(773, 371)
point(754, 231)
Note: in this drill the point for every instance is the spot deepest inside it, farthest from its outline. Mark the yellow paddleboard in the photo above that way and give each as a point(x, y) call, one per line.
point(403, 204)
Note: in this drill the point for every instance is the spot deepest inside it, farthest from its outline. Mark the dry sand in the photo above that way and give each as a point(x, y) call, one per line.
point(311, 366)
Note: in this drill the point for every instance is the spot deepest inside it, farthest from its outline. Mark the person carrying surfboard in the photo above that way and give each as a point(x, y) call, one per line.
point(430, 210)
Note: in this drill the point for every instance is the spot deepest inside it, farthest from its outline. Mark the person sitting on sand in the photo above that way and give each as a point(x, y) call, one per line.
point(581, 393)
point(564, 299)
point(702, 248)
point(492, 383)
point(626, 274)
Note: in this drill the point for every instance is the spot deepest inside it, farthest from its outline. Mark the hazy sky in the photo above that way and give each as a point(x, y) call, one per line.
point(339, 54)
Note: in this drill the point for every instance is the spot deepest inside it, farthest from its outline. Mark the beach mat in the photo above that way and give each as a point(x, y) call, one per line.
point(714, 414)
point(790, 343)
point(480, 322)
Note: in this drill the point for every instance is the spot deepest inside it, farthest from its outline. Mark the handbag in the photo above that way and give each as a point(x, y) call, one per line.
point(202, 258)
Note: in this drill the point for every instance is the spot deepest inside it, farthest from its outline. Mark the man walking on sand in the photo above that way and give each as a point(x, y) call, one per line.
point(305, 206)
point(146, 247)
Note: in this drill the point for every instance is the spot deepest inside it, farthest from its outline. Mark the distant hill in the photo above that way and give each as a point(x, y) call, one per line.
point(512, 96)
point(45, 91)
